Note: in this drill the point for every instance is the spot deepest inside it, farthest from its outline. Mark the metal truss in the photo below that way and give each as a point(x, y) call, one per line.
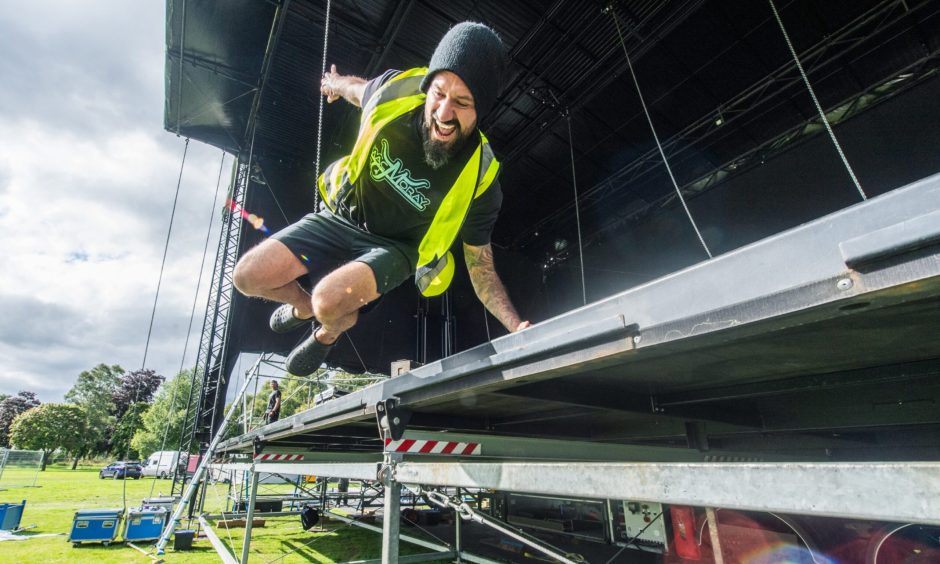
point(758, 155)
point(816, 59)
point(210, 383)
point(207, 392)
point(656, 21)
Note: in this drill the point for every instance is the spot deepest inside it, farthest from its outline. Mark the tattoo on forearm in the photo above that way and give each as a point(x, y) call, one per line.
point(489, 288)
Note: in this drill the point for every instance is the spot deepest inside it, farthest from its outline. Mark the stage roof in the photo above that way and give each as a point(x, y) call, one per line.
point(738, 126)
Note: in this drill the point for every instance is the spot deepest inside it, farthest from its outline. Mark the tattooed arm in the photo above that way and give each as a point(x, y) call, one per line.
point(489, 287)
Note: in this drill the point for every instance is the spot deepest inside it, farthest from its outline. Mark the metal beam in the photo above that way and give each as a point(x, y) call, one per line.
point(575, 394)
point(903, 492)
point(249, 518)
point(897, 374)
point(392, 29)
point(223, 551)
point(850, 36)
point(443, 550)
point(360, 471)
point(391, 522)
point(519, 448)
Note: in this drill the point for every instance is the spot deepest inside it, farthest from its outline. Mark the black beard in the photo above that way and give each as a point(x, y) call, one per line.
point(437, 153)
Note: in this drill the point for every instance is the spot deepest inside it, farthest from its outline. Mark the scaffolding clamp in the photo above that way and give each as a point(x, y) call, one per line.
point(386, 470)
point(257, 446)
point(391, 419)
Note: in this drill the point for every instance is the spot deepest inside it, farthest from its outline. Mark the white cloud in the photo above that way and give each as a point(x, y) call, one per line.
point(87, 181)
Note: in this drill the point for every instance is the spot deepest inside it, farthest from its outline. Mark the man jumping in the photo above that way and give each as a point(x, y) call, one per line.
point(420, 174)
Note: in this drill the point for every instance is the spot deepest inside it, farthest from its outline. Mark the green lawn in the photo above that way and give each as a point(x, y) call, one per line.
point(59, 492)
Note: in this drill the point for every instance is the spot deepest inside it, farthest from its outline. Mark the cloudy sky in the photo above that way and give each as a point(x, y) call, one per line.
point(87, 181)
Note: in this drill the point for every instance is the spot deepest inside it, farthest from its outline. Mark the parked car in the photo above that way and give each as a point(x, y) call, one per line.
point(120, 470)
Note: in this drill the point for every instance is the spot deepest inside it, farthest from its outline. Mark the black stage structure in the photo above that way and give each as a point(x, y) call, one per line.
point(813, 331)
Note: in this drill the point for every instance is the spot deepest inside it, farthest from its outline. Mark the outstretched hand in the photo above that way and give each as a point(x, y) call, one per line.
point(329, 86)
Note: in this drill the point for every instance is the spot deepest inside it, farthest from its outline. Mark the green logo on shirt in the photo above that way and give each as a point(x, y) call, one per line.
point(383, 167)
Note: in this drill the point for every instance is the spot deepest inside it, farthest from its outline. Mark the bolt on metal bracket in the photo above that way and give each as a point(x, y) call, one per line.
point(391, 419)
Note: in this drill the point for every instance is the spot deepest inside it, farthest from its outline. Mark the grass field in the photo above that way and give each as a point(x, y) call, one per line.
point(59, 492)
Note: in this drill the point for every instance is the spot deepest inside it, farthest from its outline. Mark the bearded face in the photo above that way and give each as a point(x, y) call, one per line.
point(449, 118)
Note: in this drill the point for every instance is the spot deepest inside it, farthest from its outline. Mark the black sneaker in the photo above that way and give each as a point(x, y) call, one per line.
point(283, 320)
point(307, 357)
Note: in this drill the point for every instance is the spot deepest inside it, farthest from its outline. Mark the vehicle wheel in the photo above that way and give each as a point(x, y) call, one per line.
point(100, 476)
point(163, 475)
point(76, 544)
point(115, 475)
point(136, 477)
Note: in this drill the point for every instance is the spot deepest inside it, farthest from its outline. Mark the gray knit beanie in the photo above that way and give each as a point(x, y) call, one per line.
point(475, 53)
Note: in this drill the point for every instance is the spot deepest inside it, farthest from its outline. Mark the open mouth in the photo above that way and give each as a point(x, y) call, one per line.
point(443, 131)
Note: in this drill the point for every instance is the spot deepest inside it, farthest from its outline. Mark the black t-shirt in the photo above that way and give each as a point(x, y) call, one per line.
point(273, 400)
point(397, 193)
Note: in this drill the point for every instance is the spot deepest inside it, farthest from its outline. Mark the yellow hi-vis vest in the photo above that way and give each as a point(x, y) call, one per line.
point(398, 96)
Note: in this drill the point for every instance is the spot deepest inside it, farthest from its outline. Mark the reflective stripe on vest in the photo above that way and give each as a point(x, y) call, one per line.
point(393, 99)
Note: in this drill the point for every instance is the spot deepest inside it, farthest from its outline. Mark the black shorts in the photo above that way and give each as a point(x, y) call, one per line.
point(324, 242)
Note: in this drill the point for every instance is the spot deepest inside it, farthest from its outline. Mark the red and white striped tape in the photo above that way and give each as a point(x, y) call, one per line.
point(413, 446)
point(279, 457)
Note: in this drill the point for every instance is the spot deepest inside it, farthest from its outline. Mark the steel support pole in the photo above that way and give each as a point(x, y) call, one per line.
point(611, 531)
point(255, 478)
point(200, 472)
point(442, 549)
point(221, 549)
point(799, 487)
point(391, 522)
point(458, 545)
point(712, 518)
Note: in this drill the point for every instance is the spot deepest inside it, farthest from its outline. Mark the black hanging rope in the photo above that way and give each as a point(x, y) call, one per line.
point(649, 119)
point(192, 314)
point(166, 247)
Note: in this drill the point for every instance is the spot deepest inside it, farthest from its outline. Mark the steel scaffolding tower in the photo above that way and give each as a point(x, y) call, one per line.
point(207, 394)
point(209, 377)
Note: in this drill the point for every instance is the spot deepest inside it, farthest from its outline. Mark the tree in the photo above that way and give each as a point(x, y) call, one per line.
point(12, 406)
point(165, 418)
point(137, 386)
point(94, 392)
point(126, 427)
point(48, 427)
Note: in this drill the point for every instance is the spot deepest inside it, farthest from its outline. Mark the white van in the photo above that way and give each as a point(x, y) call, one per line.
point(161, 464)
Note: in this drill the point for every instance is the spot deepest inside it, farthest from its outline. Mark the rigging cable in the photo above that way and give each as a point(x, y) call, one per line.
point(577, 211)
point(166, 247)
point(192, 314)
point(659, 145)
point(179, 89)
point(364, 367)
point(812, 94)
point(326, 37)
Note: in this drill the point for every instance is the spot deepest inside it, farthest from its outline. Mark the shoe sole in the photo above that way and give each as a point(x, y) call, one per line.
point(307, 357)
point(291, 324)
